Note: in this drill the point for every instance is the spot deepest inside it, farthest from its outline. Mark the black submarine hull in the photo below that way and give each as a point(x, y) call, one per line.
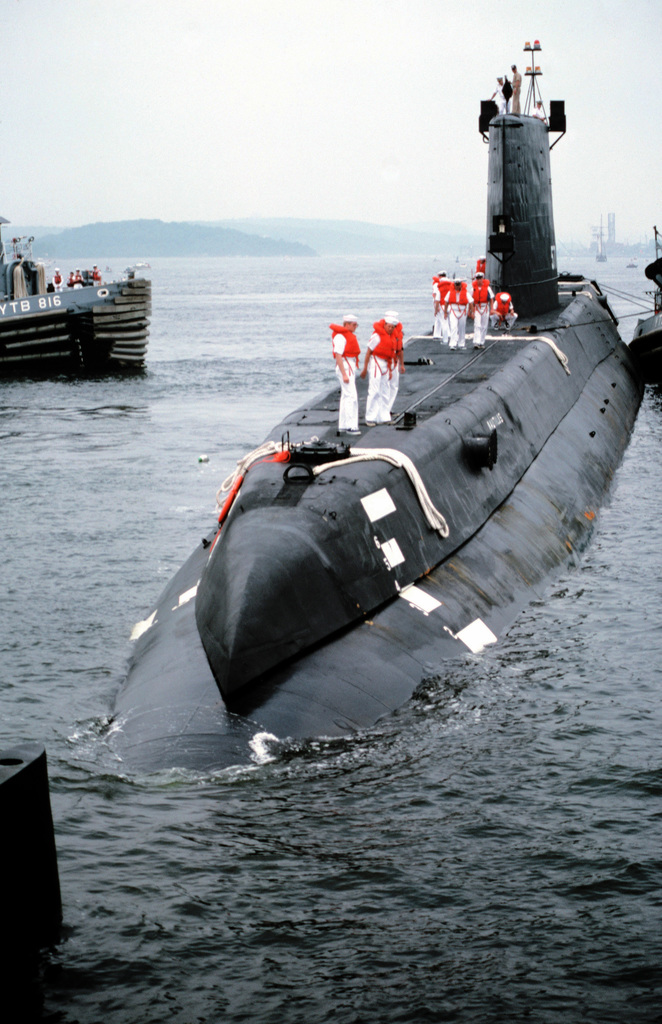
point(327, 597)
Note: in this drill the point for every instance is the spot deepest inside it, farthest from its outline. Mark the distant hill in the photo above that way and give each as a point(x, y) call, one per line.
point(359, 238)
point(157, 238)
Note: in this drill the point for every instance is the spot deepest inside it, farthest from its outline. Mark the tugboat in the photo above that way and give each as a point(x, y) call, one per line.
point(343, 574)
point(93, 327)
point(646, 344)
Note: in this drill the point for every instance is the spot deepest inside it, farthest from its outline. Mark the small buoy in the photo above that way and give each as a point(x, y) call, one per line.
point(203, 458)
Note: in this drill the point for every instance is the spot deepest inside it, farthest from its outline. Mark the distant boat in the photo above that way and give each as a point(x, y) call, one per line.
point(632, 265)
point(93, 326)
point(646, 344)
point(601, 255)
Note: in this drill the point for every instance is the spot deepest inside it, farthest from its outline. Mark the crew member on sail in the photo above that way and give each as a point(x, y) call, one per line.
point(482, 296)
point(458, 306)
point(346, 353)
point(379, 358)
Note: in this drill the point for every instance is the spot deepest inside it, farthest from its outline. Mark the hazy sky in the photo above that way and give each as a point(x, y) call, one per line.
point(358, 109)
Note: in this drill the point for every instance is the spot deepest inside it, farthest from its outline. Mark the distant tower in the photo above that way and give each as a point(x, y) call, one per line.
point(611, 228)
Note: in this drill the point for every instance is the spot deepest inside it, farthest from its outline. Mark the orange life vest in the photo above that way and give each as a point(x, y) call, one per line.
point(480, 266)
point(445, 285)
point(387, 342)
point(460, 298)
point(351, 349)
point(502, 303)
point(481, 292)
point(57, 278)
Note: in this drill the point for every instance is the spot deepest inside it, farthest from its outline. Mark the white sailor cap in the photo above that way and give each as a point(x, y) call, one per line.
point(349, 318)
point(479, 273)
point(391, 317)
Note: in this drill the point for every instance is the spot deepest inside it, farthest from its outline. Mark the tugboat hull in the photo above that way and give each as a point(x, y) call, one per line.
point(85, 328)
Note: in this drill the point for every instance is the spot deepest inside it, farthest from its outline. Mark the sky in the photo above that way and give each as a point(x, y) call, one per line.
point(331, 109)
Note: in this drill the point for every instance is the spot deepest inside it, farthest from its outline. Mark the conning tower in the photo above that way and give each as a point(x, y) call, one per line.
point(521, 245)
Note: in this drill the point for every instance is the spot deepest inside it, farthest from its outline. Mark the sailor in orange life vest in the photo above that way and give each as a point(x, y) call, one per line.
point(480, 265)
point(459, 304)
point(58, 282)
point(78, 279)
point(441, 285)
point(96, 274)
point(503, 314)
point(483, 296)
point(346, 353)
point(398, 358)
point(380, 357)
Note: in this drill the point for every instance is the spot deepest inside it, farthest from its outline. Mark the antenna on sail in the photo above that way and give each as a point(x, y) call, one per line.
point(533, 72)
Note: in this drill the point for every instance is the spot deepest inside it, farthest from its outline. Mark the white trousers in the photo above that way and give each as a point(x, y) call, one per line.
point(393, 386)
point(458, 326)
point(481, 321)
point(377, 408)
point(441, 328)
point(348, 410)
point(509, 319)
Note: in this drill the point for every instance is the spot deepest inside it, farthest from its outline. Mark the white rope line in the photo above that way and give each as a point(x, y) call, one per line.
point(561, 356)
point(243, 465)
point(433, 516)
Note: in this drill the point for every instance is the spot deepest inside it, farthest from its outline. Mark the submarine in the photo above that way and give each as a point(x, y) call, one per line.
point(343, 573)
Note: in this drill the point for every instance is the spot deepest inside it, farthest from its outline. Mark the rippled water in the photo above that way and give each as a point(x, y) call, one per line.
point(490, 853)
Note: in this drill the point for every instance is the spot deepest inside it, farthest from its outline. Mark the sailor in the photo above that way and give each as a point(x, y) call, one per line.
point(483, 297)
point(480, 265)
point(499, 98)
point(503, 315)
point(517, 88)
point(458, 305)
point(346, 353)
point(96, 275)
point(398, 358)
point(441, 286)
point(379, 357)
point(539, 112)
point(70, 279)
point(78, 279)
point(58, 282)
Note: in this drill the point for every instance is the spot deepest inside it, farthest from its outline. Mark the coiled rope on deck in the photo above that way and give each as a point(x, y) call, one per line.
point(433, 516)
point(243, 465)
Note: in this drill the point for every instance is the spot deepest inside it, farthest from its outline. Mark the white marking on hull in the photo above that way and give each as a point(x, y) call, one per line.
point(418, 598)
point(475, 636)
point(187, 596)
point(142, 627)
point(378, 504)
point(392, 553)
